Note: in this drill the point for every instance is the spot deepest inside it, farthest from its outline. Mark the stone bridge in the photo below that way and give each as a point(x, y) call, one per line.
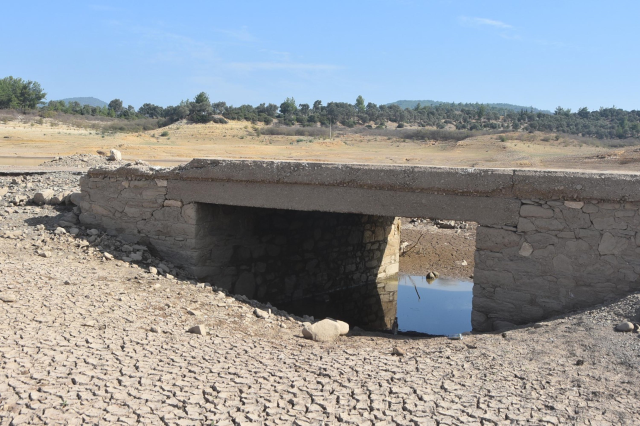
point(547, 242)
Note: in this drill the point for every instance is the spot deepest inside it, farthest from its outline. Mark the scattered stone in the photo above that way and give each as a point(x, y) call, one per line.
point(115, 155)
point(93, 232)
point(432, 275)
point(135, 256)
point(198, 329)
point(154, 329)
point(7, 298)
point(43, 197)
point(153, 270)
point(107, 256)
point(60, 231)
point(194, 312)
point(398, 351)
point(625, 326)
point(579, 362)
point(44, 253)
point(74, 231)
point(262, 314)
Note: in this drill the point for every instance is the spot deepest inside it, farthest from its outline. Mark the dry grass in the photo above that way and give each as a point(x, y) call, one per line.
point(241, 140)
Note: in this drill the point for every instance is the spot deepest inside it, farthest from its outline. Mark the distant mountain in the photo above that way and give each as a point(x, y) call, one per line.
point(497, 107)
point(86, 101)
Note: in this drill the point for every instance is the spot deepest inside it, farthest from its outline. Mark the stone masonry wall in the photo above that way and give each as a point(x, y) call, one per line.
point(562, 256)
point(281, 255)
point(269, 254)
point(137, 210)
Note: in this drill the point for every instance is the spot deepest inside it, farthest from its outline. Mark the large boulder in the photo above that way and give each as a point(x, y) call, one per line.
point(326, 330)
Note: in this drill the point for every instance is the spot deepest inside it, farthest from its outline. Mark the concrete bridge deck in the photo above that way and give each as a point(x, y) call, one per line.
point(548, 241)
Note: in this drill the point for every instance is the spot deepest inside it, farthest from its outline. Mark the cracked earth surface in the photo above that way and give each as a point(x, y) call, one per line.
point(76, 347)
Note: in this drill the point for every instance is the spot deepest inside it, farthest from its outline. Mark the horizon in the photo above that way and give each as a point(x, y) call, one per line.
point(524, 54)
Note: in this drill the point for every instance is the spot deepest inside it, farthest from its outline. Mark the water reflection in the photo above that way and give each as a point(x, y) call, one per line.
point(440, 306)
point(437, 307)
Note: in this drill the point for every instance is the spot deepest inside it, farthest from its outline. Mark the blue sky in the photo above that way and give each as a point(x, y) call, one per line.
point(538, 53)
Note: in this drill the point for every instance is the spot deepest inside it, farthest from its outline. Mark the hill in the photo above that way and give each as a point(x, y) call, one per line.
point(498, 107)
point(86, 101)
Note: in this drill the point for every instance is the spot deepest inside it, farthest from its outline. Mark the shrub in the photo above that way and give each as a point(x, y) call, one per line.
point(165, 133)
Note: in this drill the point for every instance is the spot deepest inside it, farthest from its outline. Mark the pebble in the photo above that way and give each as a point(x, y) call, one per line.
point(262, 314)
point(198, 329)
point(398, 351)
point(7, 298)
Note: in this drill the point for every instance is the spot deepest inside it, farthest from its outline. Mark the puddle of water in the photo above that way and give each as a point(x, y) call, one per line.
point(443, 308)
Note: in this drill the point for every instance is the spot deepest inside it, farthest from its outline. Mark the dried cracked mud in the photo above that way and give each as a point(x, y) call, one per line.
point(76, 346)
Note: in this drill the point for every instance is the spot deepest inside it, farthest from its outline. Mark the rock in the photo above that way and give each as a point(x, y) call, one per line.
point(326, 330)
point(579, 362)
point(432, 275)
point(154, 329)
point(262, 314)
point(342, 326)
point(172, 203)
point(136, 256)
point(93, 232)
point(108, 256)
point(74, 231)
point(526, 249)
point(115, 155)
point(7, 298)
point(60, 231)
point(464, 263)
point(198, 329)
point(625, 326)
point(3, 191)
point(43, 197)
point(574, 204)
point(75, 198)
point(43, 253)
point(127, 249)
point(539, 325)
point(194, 312)
point(153, 270)
point(398, 351)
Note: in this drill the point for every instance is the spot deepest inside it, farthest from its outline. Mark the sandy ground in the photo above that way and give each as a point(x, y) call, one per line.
point(429, 248)
point(27, 144)
point(88, 339)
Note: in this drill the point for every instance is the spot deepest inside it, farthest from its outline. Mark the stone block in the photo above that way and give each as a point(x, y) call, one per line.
point(548, 225)
point(486, 278)
point(610, 244)
point(525, 225)
point(576, 218)
point(607, 223)
point(494, 239)
point(541, 240)
point(562, 265)
point(574, 204)
point(529, 210)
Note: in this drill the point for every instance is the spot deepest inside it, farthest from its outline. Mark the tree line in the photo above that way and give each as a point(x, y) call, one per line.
point(605, 123)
